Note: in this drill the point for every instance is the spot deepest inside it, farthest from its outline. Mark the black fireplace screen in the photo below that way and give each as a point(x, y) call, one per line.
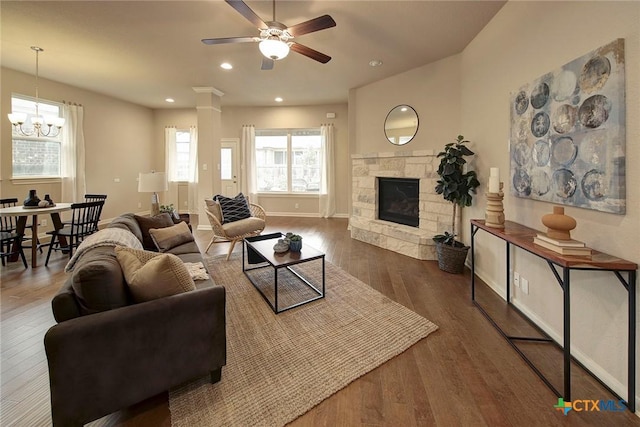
point(399, 200)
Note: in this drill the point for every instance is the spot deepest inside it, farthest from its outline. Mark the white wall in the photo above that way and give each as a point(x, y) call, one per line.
point(524, 41)
point(118, 144)
point(432, 90)
point(469, 94)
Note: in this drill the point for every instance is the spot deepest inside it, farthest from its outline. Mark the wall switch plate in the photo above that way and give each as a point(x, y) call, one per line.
point(139, 204)
point(525, 285)
point(43, 222)
point(297, 206)
point(516, 279)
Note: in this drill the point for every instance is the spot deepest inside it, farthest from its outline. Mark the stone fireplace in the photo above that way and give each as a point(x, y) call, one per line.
point(399, 200)
point(434, 213)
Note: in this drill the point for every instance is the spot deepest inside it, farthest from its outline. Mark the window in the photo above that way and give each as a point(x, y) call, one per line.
point(34, 156)
point(288, 160)
point(183, 145)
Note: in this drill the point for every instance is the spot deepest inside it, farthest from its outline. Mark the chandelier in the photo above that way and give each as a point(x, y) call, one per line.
point(42, 126)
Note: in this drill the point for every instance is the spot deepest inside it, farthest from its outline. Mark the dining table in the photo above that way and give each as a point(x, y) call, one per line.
point(23, 213)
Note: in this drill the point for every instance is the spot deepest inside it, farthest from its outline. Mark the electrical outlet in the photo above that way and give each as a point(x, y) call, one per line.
point(525, 285)
point(43, 222)
point(297, 206)
point(139, 204)
point(516, 279)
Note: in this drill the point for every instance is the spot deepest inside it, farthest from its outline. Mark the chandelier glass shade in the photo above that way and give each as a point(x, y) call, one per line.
point(40, 125)
point(274, 48)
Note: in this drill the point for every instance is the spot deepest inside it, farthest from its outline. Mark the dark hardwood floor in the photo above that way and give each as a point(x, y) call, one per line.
point(464, 374)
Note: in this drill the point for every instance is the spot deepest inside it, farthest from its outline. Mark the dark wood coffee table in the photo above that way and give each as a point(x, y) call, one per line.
point(258, 254)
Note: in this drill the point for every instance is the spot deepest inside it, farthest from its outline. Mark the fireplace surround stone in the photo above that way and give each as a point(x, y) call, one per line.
point(434, 211)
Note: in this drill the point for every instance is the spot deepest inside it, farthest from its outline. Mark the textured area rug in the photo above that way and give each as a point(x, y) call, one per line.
point(280, 366)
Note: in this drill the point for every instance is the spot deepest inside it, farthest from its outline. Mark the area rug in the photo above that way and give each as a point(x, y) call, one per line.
point(280, 366)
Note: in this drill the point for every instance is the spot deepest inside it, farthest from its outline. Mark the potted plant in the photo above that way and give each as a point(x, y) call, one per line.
point(295, 242)
point(457, 187)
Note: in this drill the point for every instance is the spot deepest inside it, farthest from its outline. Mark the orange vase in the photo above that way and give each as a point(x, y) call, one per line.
point(558, 224)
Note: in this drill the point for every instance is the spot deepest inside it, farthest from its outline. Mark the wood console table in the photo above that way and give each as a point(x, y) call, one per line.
point(522, 237)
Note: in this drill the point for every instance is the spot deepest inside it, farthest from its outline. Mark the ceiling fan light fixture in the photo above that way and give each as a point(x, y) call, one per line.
point(274, 48)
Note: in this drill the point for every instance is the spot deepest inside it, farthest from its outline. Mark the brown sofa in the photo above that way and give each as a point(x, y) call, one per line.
point(107, 352)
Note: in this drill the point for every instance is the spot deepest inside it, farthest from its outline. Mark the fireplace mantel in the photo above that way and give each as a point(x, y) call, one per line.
point(435, 212)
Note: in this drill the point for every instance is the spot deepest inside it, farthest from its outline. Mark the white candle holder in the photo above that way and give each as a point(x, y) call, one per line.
point(494, 215)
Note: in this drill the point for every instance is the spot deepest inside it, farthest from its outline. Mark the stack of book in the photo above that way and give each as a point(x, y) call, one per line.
point(563, 247)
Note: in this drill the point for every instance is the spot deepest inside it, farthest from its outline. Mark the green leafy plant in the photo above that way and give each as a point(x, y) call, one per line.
point(447, 239)
point(167, 208)
point(455, 185)
point(294, 237)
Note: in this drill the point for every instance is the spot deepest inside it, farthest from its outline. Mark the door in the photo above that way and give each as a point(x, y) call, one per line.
point(230, 167)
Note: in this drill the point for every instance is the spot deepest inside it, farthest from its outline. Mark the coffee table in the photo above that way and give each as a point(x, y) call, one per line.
point(258, 254)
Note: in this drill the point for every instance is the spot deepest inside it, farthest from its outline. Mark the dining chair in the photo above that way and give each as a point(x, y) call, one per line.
point(10, 239)
point(89, 197)
point(84, 221)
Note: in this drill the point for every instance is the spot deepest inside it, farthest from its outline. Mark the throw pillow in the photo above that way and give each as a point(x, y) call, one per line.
point(170, 237)
point(214, 207)
point(151, 275)
point(146, 223)
point(233, 209)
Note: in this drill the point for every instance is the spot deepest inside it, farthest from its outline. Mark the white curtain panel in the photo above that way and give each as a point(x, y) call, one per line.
point(193, 171)
point(327, 201)
point(171, 195)
point(249, 179)
point(73, 155)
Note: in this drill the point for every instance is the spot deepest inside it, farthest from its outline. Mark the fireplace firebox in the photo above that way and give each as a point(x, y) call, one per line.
point(399, 200)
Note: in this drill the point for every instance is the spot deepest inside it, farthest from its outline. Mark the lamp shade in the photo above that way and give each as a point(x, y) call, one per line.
point(152, 182)
point(274, 48)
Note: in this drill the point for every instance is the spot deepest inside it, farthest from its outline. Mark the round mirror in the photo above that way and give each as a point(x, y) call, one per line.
point(401, 125)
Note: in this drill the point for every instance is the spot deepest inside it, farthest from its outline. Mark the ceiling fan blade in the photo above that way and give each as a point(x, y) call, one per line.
point(246, 11)
point(320, 23)
point(311, 53)
point(267, 63)
point(225, 40)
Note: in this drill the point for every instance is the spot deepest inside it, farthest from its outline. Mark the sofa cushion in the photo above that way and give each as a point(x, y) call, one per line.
point(127, 221)
point(170, 237)
point(152, 275)
point(247, 225)
point(233, 209)
point(186, 248)
point(98, 283)
point(146, 223)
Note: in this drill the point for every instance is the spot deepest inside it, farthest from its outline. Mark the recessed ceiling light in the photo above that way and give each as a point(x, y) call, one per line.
point(226, 66)
point(278, 99)
point(375, 63)
point(170, 100)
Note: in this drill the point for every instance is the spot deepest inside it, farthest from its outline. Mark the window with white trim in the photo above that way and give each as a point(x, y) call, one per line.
point(183, 147)
point(34, 156)
point(288, 160)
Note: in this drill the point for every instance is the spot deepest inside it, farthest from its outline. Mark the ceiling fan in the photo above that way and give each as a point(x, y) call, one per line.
point(275, 38)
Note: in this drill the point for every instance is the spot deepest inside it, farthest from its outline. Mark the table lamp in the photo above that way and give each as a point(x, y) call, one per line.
point(153, 182)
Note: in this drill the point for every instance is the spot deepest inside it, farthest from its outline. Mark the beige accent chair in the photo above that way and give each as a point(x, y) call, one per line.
point(234, 231)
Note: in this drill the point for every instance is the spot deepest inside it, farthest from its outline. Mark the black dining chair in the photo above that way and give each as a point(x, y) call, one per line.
point(84, 222)
point(89, 197)
point(10, 239)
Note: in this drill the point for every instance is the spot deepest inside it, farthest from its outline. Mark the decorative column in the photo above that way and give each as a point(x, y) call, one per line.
point(209, 145)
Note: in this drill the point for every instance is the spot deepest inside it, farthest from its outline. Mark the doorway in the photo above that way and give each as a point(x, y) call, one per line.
point(230, 167)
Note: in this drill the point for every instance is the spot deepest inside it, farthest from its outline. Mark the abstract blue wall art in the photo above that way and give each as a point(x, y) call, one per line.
point(567, 138)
